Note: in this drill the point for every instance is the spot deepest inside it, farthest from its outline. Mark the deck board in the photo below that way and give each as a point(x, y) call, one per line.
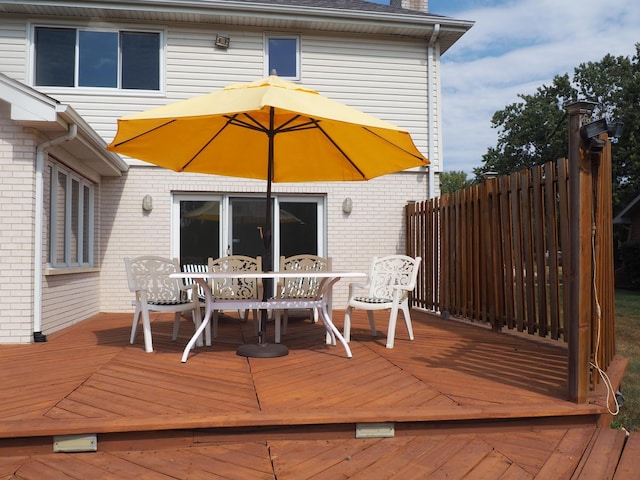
point(466, 403)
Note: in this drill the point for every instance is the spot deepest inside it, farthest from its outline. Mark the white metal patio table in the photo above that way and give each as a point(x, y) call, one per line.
point(320, 301)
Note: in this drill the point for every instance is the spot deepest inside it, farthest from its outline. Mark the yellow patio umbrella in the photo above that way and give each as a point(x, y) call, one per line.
point(233, 132)
point(269, 129)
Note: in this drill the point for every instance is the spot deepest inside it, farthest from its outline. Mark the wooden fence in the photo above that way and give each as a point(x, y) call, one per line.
point(510, 252)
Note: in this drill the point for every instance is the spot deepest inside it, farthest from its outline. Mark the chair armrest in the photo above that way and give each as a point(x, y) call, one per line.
point(400, 291)
point(408, 288)
point(193, 287)
point(357, 285)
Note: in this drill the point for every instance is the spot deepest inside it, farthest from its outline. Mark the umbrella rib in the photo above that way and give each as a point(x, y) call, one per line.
point(284, 128)
point(393, 144)
point(341, 151)
point(253, 125)
point(145, 133)
point(313, 123)
point(229, 121)
point(256, 125)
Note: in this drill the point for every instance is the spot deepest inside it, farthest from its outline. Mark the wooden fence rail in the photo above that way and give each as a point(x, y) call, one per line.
point(500, 253)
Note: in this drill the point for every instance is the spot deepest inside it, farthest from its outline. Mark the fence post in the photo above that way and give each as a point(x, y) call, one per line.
point(580, 262)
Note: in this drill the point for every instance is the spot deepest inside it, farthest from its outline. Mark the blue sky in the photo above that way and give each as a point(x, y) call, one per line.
point(515, 47)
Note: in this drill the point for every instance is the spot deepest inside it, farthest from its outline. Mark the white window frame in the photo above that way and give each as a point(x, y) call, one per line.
point(269, 36)
point(69, 204)
point(31, 70)
point(320, 201)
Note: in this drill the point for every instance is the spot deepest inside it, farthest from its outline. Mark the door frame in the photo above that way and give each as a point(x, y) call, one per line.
point(224, 198)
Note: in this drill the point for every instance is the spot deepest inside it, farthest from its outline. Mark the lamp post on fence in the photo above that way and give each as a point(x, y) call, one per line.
point(580, 258)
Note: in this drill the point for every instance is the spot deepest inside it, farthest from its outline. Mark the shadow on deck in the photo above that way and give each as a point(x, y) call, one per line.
point(461, 401)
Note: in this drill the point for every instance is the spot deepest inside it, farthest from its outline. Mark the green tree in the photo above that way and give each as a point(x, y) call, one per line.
point(534, 130)
point(453, 180)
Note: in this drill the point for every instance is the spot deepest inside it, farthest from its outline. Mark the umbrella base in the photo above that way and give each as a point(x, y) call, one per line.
point(262, 350)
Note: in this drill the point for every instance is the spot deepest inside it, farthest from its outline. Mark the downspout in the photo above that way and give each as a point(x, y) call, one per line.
point(41, 153)
point(431, 88)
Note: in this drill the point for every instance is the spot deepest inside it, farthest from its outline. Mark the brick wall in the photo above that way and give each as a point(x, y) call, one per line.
point(375, 226)
point(17, 157)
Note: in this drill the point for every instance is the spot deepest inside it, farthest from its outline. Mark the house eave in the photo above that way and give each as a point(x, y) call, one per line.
point(625, 216)
point(272, 15)
point(51, 119)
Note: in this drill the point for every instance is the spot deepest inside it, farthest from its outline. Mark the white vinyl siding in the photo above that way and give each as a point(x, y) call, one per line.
point(386, 78)
point(383, 78)
point(13, 48)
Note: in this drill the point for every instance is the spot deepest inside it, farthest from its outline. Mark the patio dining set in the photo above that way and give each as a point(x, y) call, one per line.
point(237, 283)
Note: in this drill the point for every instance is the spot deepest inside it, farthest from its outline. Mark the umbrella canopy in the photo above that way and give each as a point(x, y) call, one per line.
point(244, 129)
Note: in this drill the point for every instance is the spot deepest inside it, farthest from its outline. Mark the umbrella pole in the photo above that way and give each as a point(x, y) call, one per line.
point(263, 349)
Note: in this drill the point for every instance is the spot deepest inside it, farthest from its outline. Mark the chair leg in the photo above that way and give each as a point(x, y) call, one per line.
point(134, 325)
point(407, 320)
point(347, 325)
point(207, 334)
point(215, 323)
point(391, 333)
point(372, 322)
point(146, 329)
point(176, 326)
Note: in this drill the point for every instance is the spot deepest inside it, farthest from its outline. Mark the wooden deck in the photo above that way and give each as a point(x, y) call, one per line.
point(464, 402)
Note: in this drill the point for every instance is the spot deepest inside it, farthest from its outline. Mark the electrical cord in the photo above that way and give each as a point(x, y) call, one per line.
point(603, 375)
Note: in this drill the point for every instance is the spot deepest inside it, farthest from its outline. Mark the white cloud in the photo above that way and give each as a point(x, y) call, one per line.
point(512, 49)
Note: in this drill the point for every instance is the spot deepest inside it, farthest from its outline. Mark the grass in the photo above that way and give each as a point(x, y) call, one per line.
point(628, 346)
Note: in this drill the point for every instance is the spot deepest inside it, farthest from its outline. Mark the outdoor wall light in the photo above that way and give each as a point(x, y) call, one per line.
point(615, 129)
point(222, 41)
point(593, 129)
point(590, 132)
point(147, 203)
point(347, 205)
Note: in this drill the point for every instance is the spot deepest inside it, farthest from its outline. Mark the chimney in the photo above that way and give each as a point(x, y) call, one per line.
point(417, 5)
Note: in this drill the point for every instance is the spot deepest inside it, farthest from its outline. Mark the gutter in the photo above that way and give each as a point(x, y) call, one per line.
point(431, 96)
point(41, 152)
point(412, 23)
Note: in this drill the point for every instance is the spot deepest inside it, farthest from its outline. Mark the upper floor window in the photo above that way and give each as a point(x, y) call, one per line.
point(72, 57)
point(283, 56)
point(71, 228)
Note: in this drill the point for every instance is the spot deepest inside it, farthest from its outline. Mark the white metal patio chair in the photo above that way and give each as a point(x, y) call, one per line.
point(391, 279)
point(300, 287)
point(155, 291)
point(243, 292)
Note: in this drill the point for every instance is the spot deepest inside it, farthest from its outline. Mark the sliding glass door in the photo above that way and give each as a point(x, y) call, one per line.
point(216, 225)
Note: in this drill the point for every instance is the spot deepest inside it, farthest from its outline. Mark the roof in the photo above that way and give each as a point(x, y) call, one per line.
point(41, 112)
point(627, 212)
point(347, 16)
